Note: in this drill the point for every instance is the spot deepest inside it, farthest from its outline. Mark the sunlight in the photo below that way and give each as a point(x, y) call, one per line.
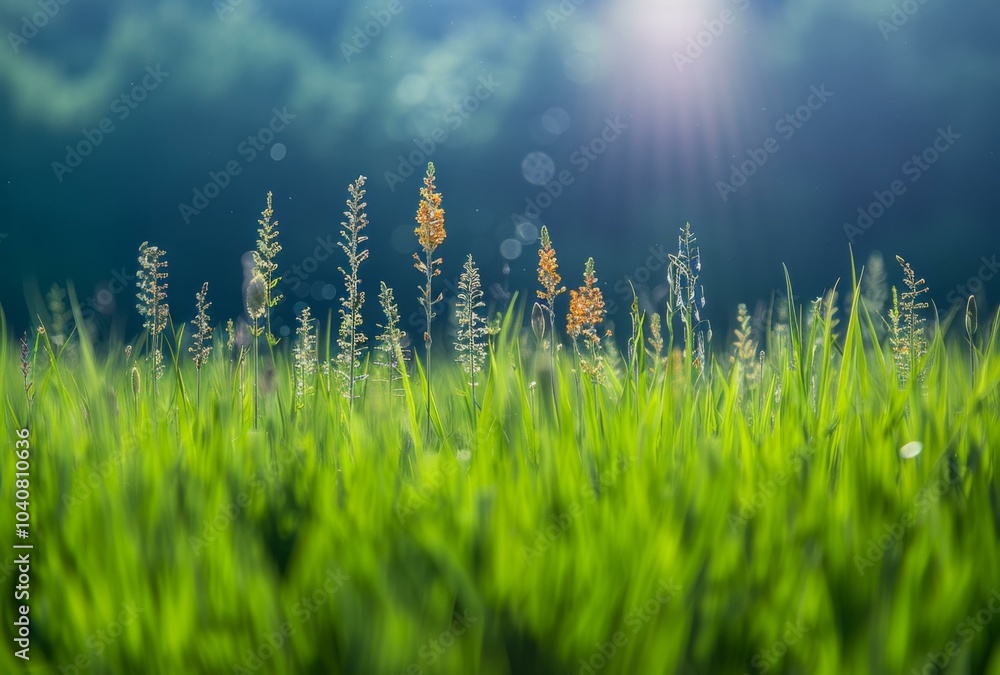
point(677, 71)
point(659, 23)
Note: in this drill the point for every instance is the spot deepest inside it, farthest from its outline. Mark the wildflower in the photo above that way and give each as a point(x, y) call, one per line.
point(586, 312)
point(687, 297)
point(549, 280)
point(430, 216)
point(548, 271)
point(907, 340)
point(304, 356)
point(430, 234)
point(351, 336)
point(203, 336)
point(26, 368)
point(471, 326)
point(264, 265)
point(744, 347)
point(586, 307)
point(152, 305)
point(391, 339)
point(655, 340)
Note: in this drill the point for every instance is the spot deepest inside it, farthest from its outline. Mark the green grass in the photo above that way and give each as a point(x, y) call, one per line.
point(685, 526)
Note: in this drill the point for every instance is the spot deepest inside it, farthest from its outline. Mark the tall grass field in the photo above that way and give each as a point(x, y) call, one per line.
point(817, 492)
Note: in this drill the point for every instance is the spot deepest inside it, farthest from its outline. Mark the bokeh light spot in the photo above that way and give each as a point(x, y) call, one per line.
point(538, 168)
point(527, 232)
point(510, 249)
point(556, 120)
point(412, 89)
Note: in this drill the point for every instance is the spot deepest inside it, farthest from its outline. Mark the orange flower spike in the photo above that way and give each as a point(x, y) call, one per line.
point(574, 320)
point(586, 307)
point(548, 270)
point(430, 216)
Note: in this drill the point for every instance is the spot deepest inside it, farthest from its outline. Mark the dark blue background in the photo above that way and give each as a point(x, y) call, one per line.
point(230, 64)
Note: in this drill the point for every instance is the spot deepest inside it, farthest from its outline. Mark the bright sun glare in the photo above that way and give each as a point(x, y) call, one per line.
point(660, 22)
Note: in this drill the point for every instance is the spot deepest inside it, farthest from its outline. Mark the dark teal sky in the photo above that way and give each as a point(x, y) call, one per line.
point(781, 131)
